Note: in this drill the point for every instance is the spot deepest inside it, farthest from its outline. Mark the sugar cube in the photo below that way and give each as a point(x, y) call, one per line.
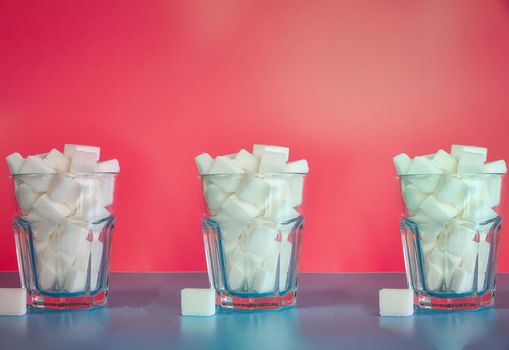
point(70, 150)
point(108, 166)
point(58, 161)
point(204, 162)
point(458, 150)
point(258, 150)
point(198, 302)
point(249, 162)
point(396, 302)
point(15, 162)
point(402, 163)
point(13, 301)
point(83, 162)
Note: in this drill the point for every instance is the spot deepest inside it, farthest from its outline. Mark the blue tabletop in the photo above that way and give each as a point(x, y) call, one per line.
point(334, 311)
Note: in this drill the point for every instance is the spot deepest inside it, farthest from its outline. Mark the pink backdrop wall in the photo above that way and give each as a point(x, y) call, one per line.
point(346, 84)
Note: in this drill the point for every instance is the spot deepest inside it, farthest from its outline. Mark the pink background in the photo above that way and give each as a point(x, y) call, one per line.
point(345, 84)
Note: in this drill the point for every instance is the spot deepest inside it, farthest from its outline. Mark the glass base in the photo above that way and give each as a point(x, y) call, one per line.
point(424, 301)
point(226, 300)
point(37, 300)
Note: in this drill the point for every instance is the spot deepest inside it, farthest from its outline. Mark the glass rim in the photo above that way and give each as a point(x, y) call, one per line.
point(455, 175)
point(67, 173)
point(258, 174)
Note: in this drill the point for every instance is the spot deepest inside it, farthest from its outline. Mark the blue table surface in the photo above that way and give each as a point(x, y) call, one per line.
point(334, 311)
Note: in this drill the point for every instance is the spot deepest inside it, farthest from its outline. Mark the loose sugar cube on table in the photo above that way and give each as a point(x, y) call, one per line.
point(396, 302)
point(13, 301)
point(198, 302)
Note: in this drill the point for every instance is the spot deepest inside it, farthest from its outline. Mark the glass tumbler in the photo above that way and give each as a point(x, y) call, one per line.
point(450, 230)
point(63, 228)
point(252, 230)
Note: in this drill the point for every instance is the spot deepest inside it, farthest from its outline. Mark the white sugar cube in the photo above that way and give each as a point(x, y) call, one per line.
point(258, 150)
point(438, 211)
point(260, 239)
point(396, 302)
point(75, 280)
point(215, 197)
point(263, 281)
point(285, 257)
point(59, 262)
point(13, 301)
point(198, 302)
point(251, 188)
point(225, 165)
point(15, 162)
point(298, 166)
point(424, 167)
point(458, 240)
point(434, 277)
point(493, 190)
point(36, 165)
point(58, 161)
point(458, 150)
point(96, 254)
point(236, 277)
point(71, 239)
point(462, 281)
point(92, 211)
point(105, 189)
point(229, 227)
point(413, 198)
point(47, 276)
point(62, 187)
point(70, 150)
point(295, 189)
point(449, 188)
point(52, 210)
point(108, 166)
point(240, 210)
point(484, 256)
point(429, 231)
point(83, 162)
point(281, 211)
point(496, 167)
point(203, 162)
point(83, 258)
point(272, 162)
point(402, 163)
point(470, 163)
point(42, 229)
point(248, 162)
point(478, 212)
point(26, 196)
point(469, 262)
point(445, 161)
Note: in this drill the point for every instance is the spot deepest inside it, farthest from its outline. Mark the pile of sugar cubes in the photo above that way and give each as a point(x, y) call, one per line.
point(64, 202)
point(254, 197)
point(452, 203)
